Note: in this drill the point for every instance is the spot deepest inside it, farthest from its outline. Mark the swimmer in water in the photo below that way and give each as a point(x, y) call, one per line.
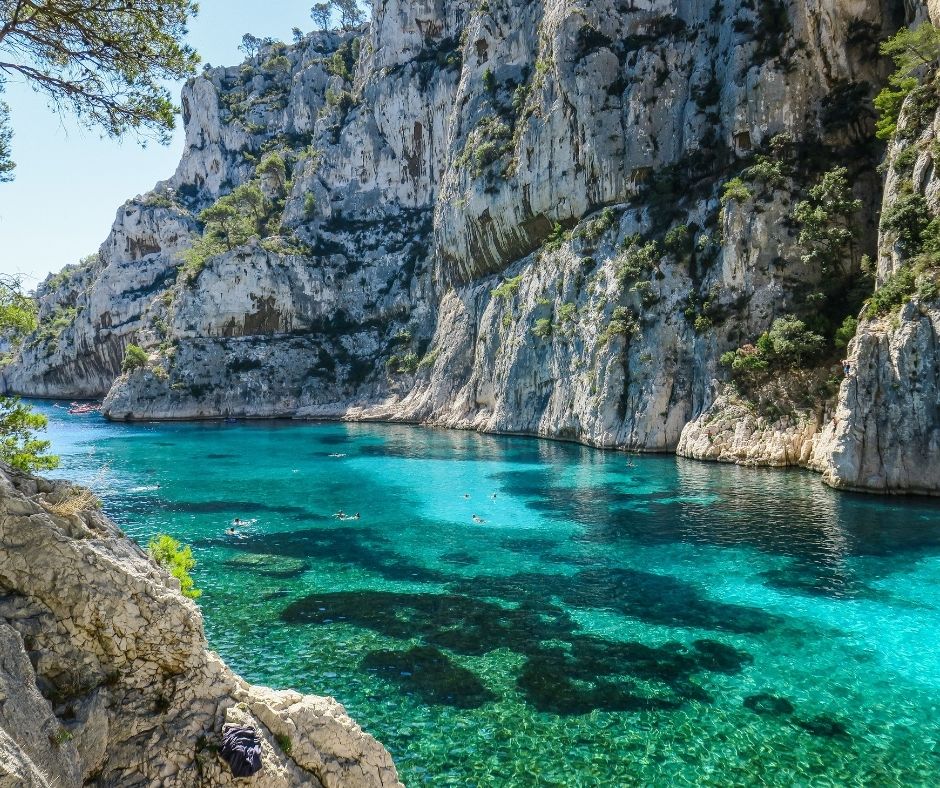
point(231, 532)
point(478, 520)
point(355, 516)
point(467, 496)
point(340, 515)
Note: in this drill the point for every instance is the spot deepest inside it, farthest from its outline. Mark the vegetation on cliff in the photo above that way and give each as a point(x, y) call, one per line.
point(19, 446)
point(178, 561)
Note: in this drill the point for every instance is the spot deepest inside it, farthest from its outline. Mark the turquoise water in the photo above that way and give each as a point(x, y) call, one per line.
point(614, 621)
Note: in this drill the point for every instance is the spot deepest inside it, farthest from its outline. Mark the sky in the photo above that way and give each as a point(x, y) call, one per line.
point(70, 182)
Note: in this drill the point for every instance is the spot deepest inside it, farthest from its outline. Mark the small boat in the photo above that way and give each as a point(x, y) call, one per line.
point(82, 410)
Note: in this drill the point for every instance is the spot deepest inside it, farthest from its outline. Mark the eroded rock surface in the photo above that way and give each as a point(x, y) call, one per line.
point(106, 678)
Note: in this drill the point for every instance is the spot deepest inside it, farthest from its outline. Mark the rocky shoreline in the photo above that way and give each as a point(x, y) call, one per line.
point(106, 677)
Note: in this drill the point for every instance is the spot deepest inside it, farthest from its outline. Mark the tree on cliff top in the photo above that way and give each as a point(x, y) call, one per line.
point(350, 12)
point(105, 60)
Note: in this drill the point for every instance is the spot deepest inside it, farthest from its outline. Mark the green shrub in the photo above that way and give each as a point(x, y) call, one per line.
point(489, 81)
point(487, 144)
point(343, 62)
point(897, 290)
point(905, 160)
point(623, 323)
point(907, 218)
point(337, 66)
point(273, 166)
point(567, 312)
point(403, 365)
point(735, 190)
point(827, 223)
point(310, 207)
point(342, 100)
point(557, 238)
point(429, 359)
point(911, 50)
point(770, 171)
point(790, 341)
point(19, 446)
point(508, 288)
point(135, 357)
point(745, 359)
point(846, 332)
point(678, 240)
point(645, 290)
point(278, 63)
point(231, 221)
point(18, 312)
point(48, 331)
point(177, 559)
point(163, 199)
point(928, 286)
point(591, 231)
point(284, 742)
point(888, 103)
point(542, 327)
point(788, 345)
point(637, 260)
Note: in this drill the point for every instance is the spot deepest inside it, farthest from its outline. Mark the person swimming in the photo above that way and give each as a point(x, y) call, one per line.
point(340, 515)
point(355, 516)
point(231, 531)
point(467, 496)
point(478, 520)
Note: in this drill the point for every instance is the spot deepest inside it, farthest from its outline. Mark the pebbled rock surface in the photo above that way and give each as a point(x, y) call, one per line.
point(106, 679)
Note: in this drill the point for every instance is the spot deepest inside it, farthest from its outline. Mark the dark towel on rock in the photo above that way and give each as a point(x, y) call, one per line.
point(241, 749)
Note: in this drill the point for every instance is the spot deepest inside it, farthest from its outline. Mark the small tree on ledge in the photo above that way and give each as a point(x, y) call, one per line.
point(135, 357)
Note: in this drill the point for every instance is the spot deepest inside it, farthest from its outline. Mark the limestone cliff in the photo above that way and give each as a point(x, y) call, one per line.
point(105, 676)
point(510, 216)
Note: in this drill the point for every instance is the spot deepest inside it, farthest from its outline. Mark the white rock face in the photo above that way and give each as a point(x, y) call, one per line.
point(730, 431)
point(885, 436)
point(105, 677)
point(455, 151)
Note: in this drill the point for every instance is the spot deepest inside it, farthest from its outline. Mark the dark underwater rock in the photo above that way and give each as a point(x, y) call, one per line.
point(431, 675)
point(769, 705)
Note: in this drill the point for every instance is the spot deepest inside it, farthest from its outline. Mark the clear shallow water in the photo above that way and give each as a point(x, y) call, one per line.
point(669, 623)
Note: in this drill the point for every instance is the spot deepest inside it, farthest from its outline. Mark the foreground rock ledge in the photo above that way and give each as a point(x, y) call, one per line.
point(106, 678)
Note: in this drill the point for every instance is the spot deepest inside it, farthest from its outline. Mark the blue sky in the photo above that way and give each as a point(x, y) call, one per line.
point(70, 182)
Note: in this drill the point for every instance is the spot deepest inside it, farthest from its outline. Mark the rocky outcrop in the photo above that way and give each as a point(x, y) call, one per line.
point(105, 676)
point(463, 235)
point(732, 431)
point(885, 436)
